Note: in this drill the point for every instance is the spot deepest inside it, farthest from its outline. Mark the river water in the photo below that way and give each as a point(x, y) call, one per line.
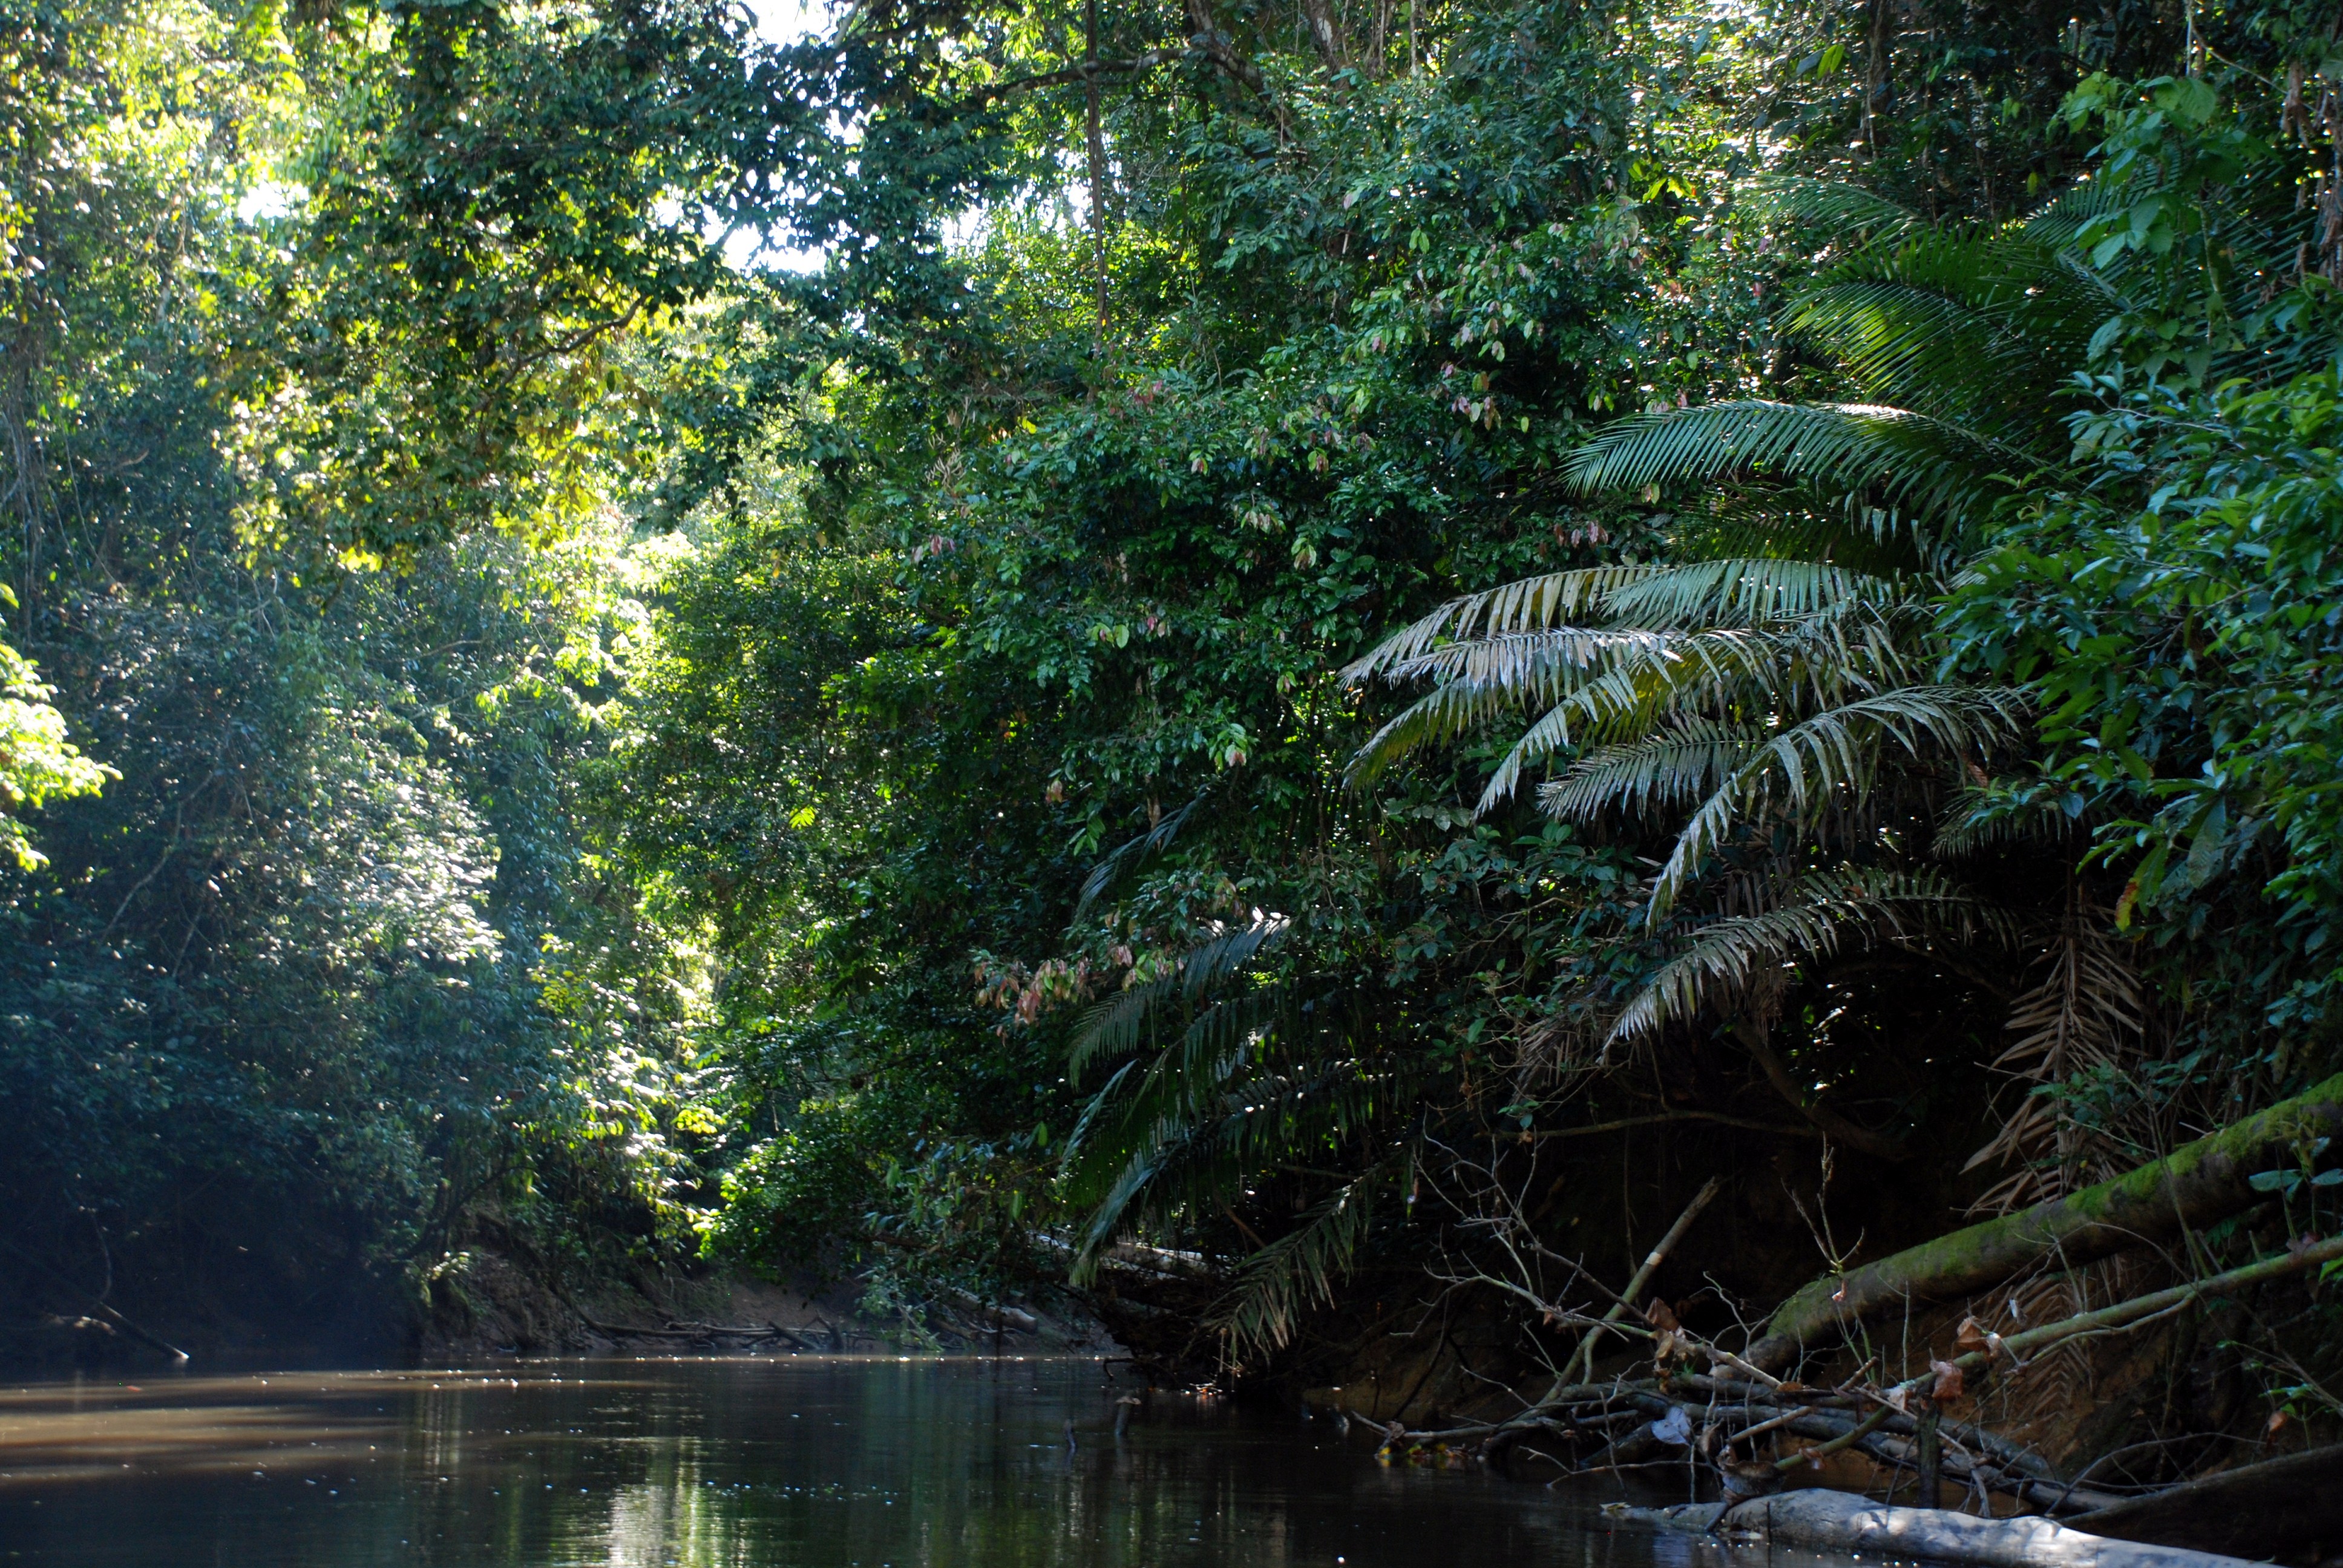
point(838, 1462)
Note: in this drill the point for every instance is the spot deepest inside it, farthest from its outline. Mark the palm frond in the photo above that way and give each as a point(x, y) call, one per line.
point(2058, 220)
point(1848, 214)
point(1812, 662)
point(1685, 759)
point(1127, 857)
point(1574, 673)
point(1932, 466)
point(1441, 716)
point(1744, 591)
point(1823, 913)
point(1114, 1026)
point(1166, 1162)
point(1833, 756)
point(1761, 517)
point(1528, 604)
point(1531, 666)
point(1296, 1272)
point(2003, 812)
point(2089, 1011)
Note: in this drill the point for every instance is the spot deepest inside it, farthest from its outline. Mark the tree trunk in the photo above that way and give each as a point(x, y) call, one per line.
point(1097, 154)
point(1318, 19)
point(2192, 1187)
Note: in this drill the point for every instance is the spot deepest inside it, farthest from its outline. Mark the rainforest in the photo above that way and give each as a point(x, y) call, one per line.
point(1452, 710)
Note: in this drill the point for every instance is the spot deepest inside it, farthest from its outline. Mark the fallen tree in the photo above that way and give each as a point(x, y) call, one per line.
point(2192, 1187)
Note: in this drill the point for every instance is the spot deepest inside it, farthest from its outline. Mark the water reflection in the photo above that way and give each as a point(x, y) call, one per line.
point(847, 1463)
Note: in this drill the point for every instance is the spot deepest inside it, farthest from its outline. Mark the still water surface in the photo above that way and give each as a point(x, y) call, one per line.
point(835, 1463)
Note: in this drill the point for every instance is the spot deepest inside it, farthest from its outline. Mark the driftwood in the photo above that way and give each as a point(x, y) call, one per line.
point(2192, 1187)
point(1004, 1317)
point(1598, 1411)
point(1841, 1522)
point(1588, 1409)
point(2254, 1511)
point(108, 1318)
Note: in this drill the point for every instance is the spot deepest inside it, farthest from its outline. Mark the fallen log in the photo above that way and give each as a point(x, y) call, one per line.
point(1841, 1522)
point(2194, 1186)
point(2254, 1511)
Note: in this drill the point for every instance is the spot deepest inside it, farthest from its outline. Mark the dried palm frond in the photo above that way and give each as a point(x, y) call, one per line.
point(2088, 1012)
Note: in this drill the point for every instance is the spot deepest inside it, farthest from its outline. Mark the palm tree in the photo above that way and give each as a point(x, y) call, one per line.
point(1772, 694)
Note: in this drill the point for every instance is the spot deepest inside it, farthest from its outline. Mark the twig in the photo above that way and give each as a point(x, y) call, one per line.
point(1849, 1439)
point(1585, 1356)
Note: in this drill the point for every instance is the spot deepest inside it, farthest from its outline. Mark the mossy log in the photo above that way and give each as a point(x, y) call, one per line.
point(2193, 1186)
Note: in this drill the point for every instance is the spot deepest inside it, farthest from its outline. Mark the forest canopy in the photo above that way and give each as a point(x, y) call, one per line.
point(1309, 634)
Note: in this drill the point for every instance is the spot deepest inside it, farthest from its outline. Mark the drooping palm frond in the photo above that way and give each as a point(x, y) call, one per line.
point(1681, 762)
point(1229, 1067)
point(1500, 674)
point(1792, 668)
point(1994, 292)
point(1832, 758)
point(1734, 590)
point(1114, 1026)
point(1536, 667)
point(1940, 470)
point(1299, 1270)
point(1822, 914)
point(1745, 591)
point(2060, 219)
point(1947, 359)
point(1155, 1167)
point(1127, 857)
point(1634, 681)
point(1539, 603)
point(1996, 815)
point(1769, 518)
point(1917, 350)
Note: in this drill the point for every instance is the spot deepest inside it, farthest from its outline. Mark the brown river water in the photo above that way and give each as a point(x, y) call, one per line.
point(774, 1462)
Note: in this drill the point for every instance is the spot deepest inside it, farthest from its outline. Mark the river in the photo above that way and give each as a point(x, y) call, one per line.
point(839, 1462)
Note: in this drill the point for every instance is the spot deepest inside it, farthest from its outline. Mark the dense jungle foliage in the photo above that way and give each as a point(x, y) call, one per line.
point(1320, 635)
